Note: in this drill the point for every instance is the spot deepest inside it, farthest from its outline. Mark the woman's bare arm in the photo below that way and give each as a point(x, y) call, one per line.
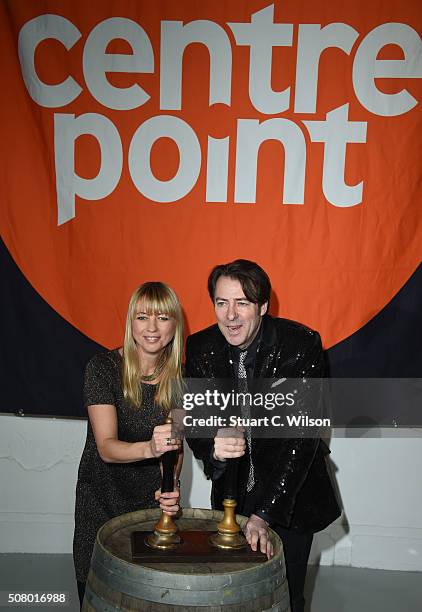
point(103, 418)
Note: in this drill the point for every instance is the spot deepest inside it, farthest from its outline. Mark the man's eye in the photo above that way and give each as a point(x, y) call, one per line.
point(220, 303)
point(243, 303)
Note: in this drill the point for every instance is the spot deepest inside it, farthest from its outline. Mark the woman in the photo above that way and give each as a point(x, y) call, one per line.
point(128, 393)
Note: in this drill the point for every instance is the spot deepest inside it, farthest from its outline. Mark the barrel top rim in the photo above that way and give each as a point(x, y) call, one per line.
point(153, 514)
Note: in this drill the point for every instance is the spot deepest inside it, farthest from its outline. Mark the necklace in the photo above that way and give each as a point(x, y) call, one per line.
point(153, 376)
point(149, 377)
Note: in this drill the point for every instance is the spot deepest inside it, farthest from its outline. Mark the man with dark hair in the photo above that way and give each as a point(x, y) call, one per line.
point(255, 282)
point(282, 483)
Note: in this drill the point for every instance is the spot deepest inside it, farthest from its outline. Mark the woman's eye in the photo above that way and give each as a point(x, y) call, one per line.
point(163, 318)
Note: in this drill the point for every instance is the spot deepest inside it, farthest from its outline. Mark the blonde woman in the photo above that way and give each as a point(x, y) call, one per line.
point(128, 393)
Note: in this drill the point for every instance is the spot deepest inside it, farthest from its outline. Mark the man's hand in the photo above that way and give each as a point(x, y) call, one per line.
point(169, 502)
point(229, 443)
point(256, 530)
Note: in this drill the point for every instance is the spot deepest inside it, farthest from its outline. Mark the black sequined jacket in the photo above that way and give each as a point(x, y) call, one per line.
point(293, 487)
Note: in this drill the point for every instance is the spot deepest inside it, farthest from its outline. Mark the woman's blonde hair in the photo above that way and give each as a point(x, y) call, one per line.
point(157, 298)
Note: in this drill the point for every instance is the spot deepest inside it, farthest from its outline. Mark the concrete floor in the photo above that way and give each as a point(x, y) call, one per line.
point(328, 589)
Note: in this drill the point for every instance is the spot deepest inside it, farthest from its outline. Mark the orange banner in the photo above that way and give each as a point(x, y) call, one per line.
point(153, 140)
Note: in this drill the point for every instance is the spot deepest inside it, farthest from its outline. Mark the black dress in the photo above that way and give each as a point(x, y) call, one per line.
point(105, 490)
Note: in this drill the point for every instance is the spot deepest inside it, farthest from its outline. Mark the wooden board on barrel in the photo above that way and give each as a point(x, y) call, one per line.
point(116, 583)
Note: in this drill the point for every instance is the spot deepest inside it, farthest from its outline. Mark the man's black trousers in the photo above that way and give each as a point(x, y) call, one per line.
point(297, 547)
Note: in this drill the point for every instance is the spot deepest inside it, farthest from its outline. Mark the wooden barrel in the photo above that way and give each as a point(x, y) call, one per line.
point(115, 583)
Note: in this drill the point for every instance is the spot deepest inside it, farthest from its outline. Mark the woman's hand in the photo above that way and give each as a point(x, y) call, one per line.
point(169, 502)
point(163, 440)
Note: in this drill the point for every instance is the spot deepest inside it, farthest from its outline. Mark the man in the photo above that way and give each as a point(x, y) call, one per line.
point(282, 483)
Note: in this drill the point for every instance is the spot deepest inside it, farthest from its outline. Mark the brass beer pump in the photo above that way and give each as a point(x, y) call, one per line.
point(165, 535)
point(229, 534)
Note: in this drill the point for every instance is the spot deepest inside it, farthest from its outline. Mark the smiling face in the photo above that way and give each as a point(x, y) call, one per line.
point(152, 332)
point(237, 317)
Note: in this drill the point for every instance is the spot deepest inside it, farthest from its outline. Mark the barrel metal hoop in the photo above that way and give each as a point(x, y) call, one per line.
point(98, 603)
point(188, 595)
point(283, 605)
point(199, 582)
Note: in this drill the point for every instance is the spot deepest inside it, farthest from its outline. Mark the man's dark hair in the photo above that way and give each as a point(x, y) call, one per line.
point(254, 280)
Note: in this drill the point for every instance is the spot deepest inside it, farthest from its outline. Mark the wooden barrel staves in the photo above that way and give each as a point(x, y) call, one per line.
point(115, 583)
